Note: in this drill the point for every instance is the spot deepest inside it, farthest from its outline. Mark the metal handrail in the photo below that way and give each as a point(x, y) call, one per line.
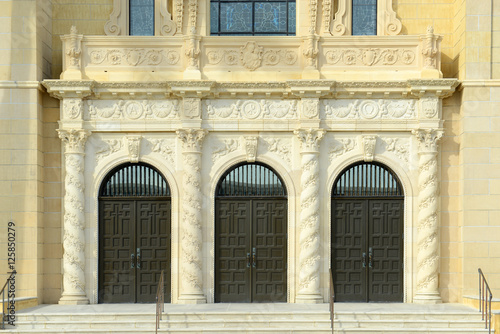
point(5, 313)
point(160, 301)
point(332, 300)
point(485, 297)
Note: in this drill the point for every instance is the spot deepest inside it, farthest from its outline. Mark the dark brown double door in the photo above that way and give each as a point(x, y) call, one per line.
point(251, 250)
point(367, 249)
point(134, 247)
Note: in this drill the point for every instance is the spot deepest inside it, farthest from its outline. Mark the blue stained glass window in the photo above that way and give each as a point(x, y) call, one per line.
point(252, 17)
point(141, 18)
point(364, 17)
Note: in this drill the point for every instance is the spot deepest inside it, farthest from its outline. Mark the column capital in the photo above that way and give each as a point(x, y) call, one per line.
point(74, 139)
point(428, 139)
point(310, 139)
point(192, 139)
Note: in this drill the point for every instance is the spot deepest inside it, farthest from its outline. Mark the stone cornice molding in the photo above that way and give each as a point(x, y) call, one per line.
point(441, 88)
point(311, 88)
point(188, 88)
point(69, 88)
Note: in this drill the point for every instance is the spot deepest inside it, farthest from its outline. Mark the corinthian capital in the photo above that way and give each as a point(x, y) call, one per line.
point(74, 139)
point(192, 139)
point(428, 139)
point(310, 138)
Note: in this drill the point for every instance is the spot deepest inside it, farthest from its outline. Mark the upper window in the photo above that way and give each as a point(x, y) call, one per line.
point(252, 17)
point(141, 18)
point(364, 17)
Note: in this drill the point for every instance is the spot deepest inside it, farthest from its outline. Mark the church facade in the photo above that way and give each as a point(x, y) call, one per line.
point(248, 148)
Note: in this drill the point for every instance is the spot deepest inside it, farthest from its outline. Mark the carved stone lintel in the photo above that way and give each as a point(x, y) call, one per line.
point(309, 139)
point(369, 143)
point(192, 139)
point(251, 144)
point(74, 140)
point(428, 140)
point(134, 148)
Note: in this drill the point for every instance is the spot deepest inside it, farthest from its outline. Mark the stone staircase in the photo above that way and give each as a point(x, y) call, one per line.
point(250, 318)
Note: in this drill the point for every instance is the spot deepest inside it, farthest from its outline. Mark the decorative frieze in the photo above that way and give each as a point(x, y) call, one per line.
point(132, 109)
point(132, 57)
point(370, 56)
point(250, 109)
point(369, 109)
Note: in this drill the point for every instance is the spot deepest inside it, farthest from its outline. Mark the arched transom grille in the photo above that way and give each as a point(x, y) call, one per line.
point(367, 180)
point(251, 180)
point(134, 180)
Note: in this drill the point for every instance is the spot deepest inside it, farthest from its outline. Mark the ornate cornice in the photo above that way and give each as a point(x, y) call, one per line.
point(438, 87)
point(69, 88)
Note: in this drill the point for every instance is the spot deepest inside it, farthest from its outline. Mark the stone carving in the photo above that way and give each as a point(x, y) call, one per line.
point(344, 145)
point(251, 109)
point(327, 14)
point(313, 14)
point(168, 26)
point(192, 107)
point(73, 51)
point(310, 108)
point(192, 50)
point(270, 57)
point(428, 218)
point(179, 14)
point(251, 55)
point(228, 146)
point(134, 147)
point(107, 147)
point(339, 24)
point(369, 109)
point(309, 238)
point(310, 51)
point(283, 150)
point(133, 57)
point(133, 109)
point(74, 217)
point(430, 107)
point(164, 148)
point(370, 57)
point(368, 143)
point(429, 48)
point(72, 107)
point(192, 238)
point(251, 144)
point(401, 150)
point(112, 27)
point(193, 12)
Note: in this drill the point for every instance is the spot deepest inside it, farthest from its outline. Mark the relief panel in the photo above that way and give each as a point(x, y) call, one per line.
point(249, 109)
point(131, 109)
point(369, 109)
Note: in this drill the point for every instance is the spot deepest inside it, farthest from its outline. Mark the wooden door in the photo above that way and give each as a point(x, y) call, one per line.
point(134, 246)
point(367, 249)
point(250, 251)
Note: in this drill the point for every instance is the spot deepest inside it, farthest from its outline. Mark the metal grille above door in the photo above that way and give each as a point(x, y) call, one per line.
point(250, 236)
point(134, 235)
point(367, 235)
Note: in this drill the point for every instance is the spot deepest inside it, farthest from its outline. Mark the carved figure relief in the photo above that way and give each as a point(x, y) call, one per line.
point(370, 57)
point(280, 147)
point(134, 147)
point(251, 55)
point(105, 148)
point(369, 109)
point(228, 146)
point(250, 109)
point(401, 148)
point(133, 57)
point(251, 144)
point(341, 147)
point(132, 109)
point(164, 148)
point(72, 107)
point(368, 143)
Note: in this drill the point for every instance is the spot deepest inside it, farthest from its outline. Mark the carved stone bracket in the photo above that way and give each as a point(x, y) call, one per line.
point(251, 144)
point(368, 143)
point(310, 52)
point(309, 139)
point(134, 148)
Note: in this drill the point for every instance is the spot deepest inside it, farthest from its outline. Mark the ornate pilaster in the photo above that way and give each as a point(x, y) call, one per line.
point(428, 218)
point(309, 239)
point(192, 50)
point(74, 218)
point(191, 233)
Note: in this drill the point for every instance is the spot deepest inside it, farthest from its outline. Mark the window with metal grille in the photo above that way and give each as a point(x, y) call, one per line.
point(252, 17)
point(134, 180)
point(141, 17)
point(251, 180)
point(367, 180)
point(364, 17)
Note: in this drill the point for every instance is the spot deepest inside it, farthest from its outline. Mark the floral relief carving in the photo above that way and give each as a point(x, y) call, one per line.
point(72, 107)
point(370, 57)
point(399, 147)
point(250, 109)
point(105, 148)
point(164, 148)
point(342, 147)
point(133, 57)
point(228, 146)
point(270, 57)
point(280, 147)
point(133, 109)
point(179, 14)
point(369, 109)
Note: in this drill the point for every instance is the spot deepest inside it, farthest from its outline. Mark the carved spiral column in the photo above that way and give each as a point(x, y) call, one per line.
point(309, 238)
point(191, 238)
point(74, 218)
point(428, 218)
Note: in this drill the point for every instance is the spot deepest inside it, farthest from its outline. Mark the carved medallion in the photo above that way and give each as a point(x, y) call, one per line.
point(250, 109)
point(368, 109)
point(133, 109)
point(251, 56)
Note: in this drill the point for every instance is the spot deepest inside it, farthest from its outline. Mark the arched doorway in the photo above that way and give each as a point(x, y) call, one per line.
point(250, 236)
point(134, 234)
point(367, 234)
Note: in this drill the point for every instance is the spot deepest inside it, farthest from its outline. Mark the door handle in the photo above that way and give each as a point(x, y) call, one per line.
point(248, 260)
point(132, 261)
point(138, 258)
point(370, 257)
point(254, 257)
point(364, 260)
